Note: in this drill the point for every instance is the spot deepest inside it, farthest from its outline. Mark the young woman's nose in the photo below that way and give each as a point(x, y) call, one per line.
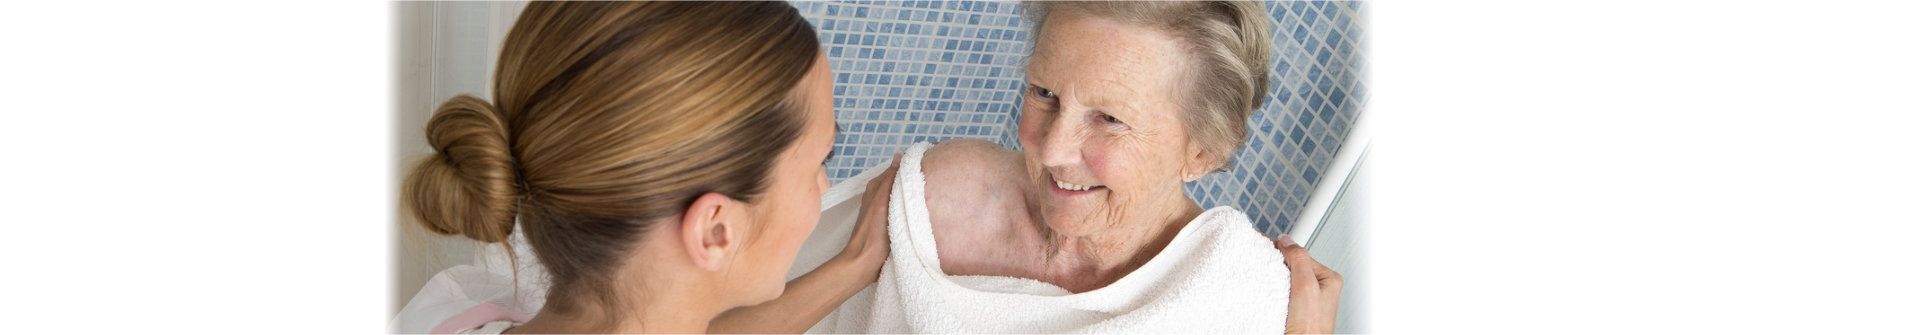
point(824, 184)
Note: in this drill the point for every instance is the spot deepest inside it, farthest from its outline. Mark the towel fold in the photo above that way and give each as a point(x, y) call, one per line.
point(1217, 275)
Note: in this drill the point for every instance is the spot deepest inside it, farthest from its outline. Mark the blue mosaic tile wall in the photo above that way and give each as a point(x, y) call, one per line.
point(915, 71)
point(911, 71)
point(1318, 90)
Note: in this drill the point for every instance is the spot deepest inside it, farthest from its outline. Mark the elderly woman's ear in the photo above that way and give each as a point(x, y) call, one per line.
point(1198, 165)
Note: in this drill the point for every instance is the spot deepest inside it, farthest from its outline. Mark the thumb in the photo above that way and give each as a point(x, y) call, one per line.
point(1301, 264)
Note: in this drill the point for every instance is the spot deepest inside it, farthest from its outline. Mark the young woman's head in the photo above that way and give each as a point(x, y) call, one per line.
point(635, 138)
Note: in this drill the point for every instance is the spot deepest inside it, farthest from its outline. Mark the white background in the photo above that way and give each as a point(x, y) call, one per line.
point(1540, 166)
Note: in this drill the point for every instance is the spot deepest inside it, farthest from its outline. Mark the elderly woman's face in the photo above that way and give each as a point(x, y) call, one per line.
point(1104, 141)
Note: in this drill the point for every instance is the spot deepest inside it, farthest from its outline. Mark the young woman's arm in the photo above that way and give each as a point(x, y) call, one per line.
point(812, 296)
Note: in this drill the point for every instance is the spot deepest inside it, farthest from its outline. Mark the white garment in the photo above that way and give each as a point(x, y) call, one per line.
point(496, 327)
point(491, 280)
point(1218, 275)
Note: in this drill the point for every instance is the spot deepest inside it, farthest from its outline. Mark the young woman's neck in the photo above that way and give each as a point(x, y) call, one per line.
point(648, 309)
point(1086, 263)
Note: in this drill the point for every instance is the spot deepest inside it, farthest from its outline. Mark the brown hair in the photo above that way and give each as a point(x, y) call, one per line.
point(1229, 43)
point(610, 116)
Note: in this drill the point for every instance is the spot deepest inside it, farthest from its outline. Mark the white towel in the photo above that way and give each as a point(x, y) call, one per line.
point(1217, 275)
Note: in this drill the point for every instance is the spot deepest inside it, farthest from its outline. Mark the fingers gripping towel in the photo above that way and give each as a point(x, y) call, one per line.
point(1217, 275)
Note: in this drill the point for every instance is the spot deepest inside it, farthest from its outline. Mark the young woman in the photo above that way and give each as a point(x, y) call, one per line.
point(664, 161)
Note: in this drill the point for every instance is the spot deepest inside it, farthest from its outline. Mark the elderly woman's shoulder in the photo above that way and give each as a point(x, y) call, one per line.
point(974, 194)
point(971, 173)
point(971, 159)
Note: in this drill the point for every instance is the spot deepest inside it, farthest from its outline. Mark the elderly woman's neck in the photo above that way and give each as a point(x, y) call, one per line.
point(1085, 263)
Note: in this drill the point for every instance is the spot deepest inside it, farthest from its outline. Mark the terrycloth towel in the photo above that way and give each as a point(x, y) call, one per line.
point(1217, 276)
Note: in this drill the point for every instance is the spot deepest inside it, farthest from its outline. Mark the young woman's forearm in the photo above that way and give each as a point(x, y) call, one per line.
point(807, 299)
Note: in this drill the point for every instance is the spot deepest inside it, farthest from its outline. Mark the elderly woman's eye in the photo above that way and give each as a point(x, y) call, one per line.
point(1109, 118)
point(1042, 92)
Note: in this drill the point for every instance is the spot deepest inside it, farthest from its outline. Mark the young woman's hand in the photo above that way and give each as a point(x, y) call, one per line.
point(812, 296)
point(1316, 291)
point(869, 246)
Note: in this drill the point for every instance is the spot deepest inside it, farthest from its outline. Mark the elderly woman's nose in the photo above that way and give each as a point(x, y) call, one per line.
point(1061, 142)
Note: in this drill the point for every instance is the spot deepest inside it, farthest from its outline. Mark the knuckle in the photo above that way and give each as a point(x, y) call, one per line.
point(1295, 253)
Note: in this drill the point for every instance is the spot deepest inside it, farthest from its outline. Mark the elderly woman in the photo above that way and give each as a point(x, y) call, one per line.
point(1088, 229)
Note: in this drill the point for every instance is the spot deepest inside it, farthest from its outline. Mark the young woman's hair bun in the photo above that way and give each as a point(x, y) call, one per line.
point(469, 187)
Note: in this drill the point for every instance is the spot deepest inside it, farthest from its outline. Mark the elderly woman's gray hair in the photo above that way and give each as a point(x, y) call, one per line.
point(1229, 45)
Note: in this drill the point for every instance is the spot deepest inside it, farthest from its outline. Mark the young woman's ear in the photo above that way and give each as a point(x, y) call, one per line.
point(707, 230)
